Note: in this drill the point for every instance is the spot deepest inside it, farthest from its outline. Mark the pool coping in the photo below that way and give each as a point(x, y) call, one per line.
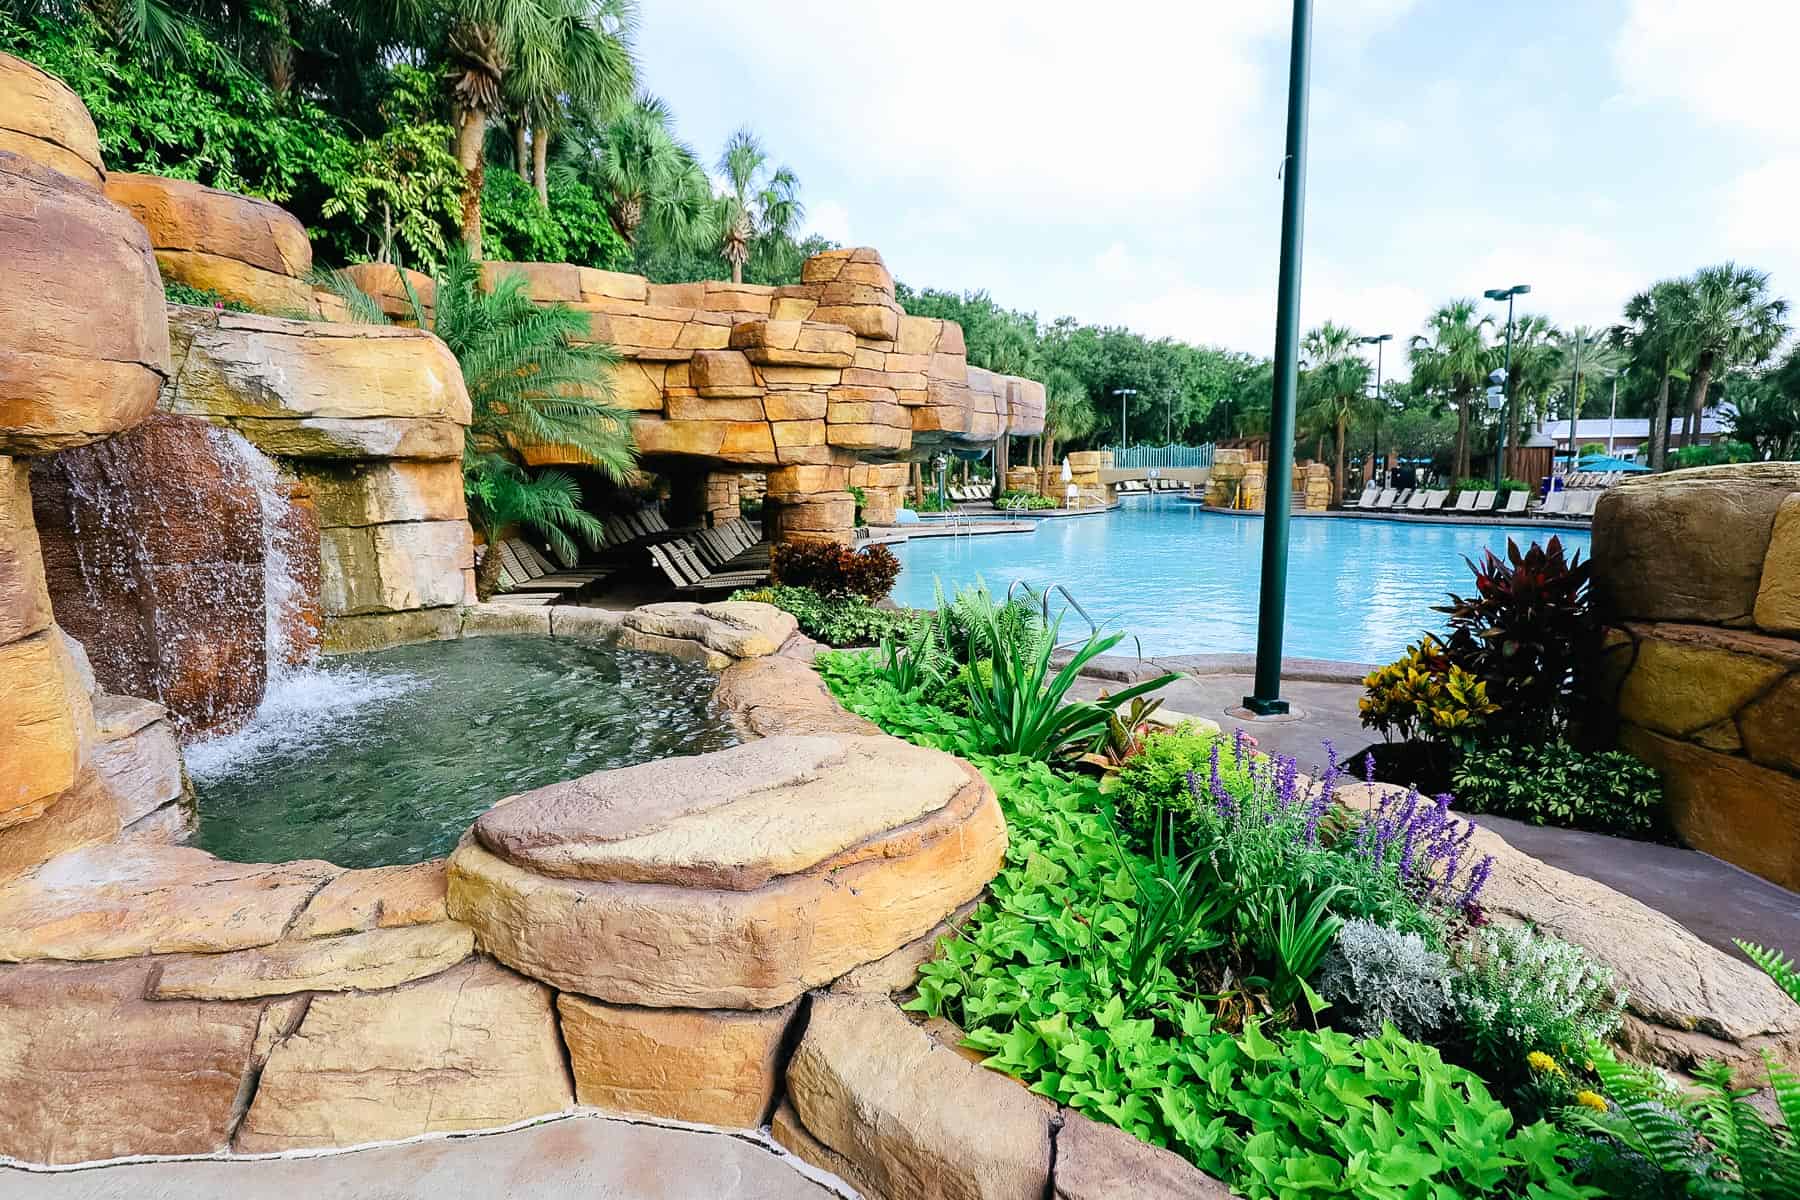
point(1402, 518)
point(1119, 668)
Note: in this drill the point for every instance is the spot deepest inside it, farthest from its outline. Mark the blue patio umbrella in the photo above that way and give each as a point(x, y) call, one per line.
point(1604, 462)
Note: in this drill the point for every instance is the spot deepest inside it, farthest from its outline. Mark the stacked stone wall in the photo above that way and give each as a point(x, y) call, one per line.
point(1698, 575)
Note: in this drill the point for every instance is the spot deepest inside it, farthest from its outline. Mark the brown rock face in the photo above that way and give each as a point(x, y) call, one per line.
point(1680, 687)
point(46, 725)
point(85, 814)
point(24, 600)
point(1778, 597)
point(41, 119)
point(916, 1119)
point(1101, 1162)
point(1729, 806)
point(473, 1048)
point(91, 1069)
point(158, 551)
point(699, 1065)
point(83, 344)
point(1689, 545)
point(248, 251)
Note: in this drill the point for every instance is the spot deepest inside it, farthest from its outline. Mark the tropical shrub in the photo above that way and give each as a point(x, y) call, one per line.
point(182, 293)
point(1030, 501)
point(1375, 975)
point(1554, 783)
point(837, 620)
point(1715, 455)
point(831, 569)
point(1425, 694)
point(575, 228)
point(1517, 991)
point(1526, 633)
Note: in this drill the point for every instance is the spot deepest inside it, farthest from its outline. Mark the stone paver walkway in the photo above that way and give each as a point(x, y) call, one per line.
point(1714, 900)
point(577, 1158)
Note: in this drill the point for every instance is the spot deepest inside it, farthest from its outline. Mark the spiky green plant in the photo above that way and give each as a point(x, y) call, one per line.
point(1776, 966)
point(532, 386)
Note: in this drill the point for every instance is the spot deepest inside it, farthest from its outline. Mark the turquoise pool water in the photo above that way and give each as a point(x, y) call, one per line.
point(1185, 580)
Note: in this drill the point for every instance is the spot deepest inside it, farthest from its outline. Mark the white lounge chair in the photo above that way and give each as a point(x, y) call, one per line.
point(1385, 499)
point(1555, 504)
point(1434, 500)
point(1417, 502)
point(1581, 504)
point(1516, 501)
point(1465, 502)
point(1484, 501)
point(1369, 492)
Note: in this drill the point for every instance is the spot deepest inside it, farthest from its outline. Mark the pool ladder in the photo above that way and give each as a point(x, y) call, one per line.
point(1069, 602)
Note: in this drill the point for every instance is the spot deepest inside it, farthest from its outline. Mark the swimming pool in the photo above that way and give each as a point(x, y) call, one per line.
point(1185, 580)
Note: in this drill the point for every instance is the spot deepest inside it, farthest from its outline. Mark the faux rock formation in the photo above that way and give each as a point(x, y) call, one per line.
point(43, 120)
point(914, 1119)
point(714, 635)
point(83, 345)
point(1102, 1162)
point(683, 1064)
point(733, 880)
point(249, 251)
point(1696, 571)
point(92, 1070)
point(473, 1048)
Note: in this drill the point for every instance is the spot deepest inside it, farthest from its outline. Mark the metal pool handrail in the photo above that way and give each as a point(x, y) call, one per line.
point(1043, 598)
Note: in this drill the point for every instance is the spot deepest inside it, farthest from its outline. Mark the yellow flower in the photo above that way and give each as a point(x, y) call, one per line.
point(1542, 1063)
point(1593, 1100)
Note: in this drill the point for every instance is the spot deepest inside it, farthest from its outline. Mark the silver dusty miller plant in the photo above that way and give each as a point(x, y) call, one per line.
point(1375, 974)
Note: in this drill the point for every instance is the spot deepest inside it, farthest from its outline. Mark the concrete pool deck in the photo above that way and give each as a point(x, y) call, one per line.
point(1711, 898)
point(583, 1157)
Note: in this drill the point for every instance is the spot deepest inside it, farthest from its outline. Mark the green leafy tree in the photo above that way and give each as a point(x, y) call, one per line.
point(1450, 360)
point(405, 183)
point(1335, 386)
point(1764, 410)
point(583, 63)
point(761, 203)
point(1654, 337)
point(1727, 319)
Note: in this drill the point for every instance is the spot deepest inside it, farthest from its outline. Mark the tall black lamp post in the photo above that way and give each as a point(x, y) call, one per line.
point(1278, 498)
point(1376, 340)
point(1122, 393)
point(1508, 295)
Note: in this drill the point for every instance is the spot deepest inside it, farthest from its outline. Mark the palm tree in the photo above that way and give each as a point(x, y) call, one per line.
point(649, 180)
point(1652, 334)
point(760, 204)
point(531, 385)
point(1068, 414)
point(1583, 354)
point(1336, 385)
point(1728, 320)
point(1450, 359)
point(584, 64)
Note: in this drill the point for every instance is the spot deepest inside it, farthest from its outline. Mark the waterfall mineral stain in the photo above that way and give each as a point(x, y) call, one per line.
point(375, 759)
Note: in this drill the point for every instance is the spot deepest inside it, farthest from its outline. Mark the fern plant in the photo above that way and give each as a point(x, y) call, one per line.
point(1776, 966)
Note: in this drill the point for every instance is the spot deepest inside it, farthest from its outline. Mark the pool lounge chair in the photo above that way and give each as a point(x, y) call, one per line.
point(1385, 499)
point(1581, 504)
point(1484, 502)
point(1434, 500)
point(523, 570)
point(1554, 504)
point(1369, 492)
point(1515, 502)
point(1465, 502)
point(1417, 501)
point(683, 568)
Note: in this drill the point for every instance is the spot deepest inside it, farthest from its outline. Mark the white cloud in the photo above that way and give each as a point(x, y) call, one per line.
point(1729, 61)
point(831, 220)
point(1757, 209)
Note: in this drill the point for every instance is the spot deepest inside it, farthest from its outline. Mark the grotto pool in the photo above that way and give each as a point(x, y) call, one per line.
point(374, 759)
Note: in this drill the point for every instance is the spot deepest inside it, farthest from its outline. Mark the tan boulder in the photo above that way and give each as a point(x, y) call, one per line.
point(377, 493)
point(365, 961)
point(1679, 687)
point(42, 119)
point(78, 362)
point(543, 282)
point(585, 624)
point(794, 406)
point(24, 600)
point(1103, 1162)
point(46, 724)
point(1767, 728)
point(899, 971)
point(379, 630)
point(616, 285)
point(1688, 545)
point(388, 286)
point(778, 695)
point(137, 759)
point(639, 385)
point(360, 438)
point(735, 819)
point(683, 1064)
point(489, 620)
point(735, 629)
point(83, 815)
point(261, 291)
point(1778, 595)
point(127, 899)
point(1726, 805)
point(92, 1070)
point(472, 1048)
point(821, 512)
point(187, 216)
point(916, 1119)
point(376, 898)
point(239, 365)
point(663, 945)
point(388, 568)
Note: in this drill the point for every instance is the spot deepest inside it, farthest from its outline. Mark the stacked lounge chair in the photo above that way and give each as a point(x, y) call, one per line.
point(528, 577)
point(722, 559)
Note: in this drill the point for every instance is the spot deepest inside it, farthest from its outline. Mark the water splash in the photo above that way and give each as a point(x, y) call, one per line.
point(304, 710)
point(284, 599)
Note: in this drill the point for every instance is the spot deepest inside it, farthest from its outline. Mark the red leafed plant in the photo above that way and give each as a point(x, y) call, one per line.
point(1528, 632)
point(833, 570)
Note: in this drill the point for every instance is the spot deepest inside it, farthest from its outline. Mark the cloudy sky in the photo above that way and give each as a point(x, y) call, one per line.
point(1118, 162)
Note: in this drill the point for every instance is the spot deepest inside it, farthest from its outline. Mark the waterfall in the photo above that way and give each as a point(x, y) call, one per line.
point(289, 606)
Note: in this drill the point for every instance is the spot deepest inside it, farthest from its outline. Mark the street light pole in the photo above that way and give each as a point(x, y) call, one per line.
point(1375, 443)
point(1121, 393)
point(1278, 499)
point(1508, 295)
